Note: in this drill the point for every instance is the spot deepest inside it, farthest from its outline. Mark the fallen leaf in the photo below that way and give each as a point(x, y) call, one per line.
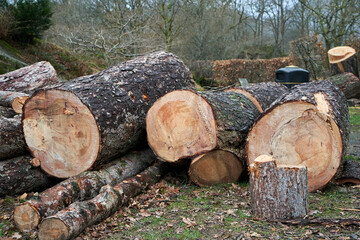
point(16, 235)
point(188, 221)
point(145, 214)
point(23, 197)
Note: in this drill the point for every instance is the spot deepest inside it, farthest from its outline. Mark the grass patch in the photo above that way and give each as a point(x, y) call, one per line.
point(354, 116)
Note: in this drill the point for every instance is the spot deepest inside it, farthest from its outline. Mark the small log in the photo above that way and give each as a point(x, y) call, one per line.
point(348, 83)
point(262, 94)
point(94, 119)
point(350, 173)
point(7, 112)
point(19, 176)
point(278, 192)
point(87, 185)
point(309, 126)
point(323, 221)
point(70, 222)
point(29, 78)
point(185, 124)
point(12, 143)
point(215, 167)
point(343, 59)
point(15, 100)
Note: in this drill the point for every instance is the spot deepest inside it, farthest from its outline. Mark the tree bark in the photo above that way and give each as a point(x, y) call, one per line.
point(350, 173)
point(278, 192)
point(29, 78)
point(185, 124)
point(15, 100)
point(18, 176)
point(94, 119)
point(12, 143)
point(348, 83)
point(343, 59)
point(70, 222)
point(7, 112)
point(215, 167)
point(262, 94)
point(82, 187)
point(308, 126)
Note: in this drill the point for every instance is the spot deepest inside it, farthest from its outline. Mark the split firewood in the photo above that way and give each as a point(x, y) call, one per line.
point(70, 222)
point(12, 143)
point(15, 100)
point(309, 126)
point(29, 78)
point(92, 120)
point(350, 173)
point(348, 83)
point(184, 124)
point(343, 59)
point(215, 167)
point(262, 94)
point(19, 176)
point(86, 185)
point(278, 191)
point(7, 112)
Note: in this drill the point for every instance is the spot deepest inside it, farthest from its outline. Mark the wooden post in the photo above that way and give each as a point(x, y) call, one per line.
point(278, 192)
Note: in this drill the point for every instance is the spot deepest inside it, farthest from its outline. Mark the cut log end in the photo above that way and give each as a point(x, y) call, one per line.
point(53, 228)
point(298, 133)
point(339, 54)
point(61, 132)
point(26, 217)
point(18, 103)
point(181, 124)
point(215, 167)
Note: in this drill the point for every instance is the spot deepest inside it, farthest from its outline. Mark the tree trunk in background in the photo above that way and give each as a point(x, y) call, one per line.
point(308, 126)
point(348, 83)
point(350, 173)
point(343, 59)
point(82, 187)
point(184, 124)
point(29, 78)
point(70, 222)
point(15, 100)
point(278, 192)
point(94, 119)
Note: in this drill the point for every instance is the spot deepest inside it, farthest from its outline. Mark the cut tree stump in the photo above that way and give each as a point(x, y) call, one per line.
point(19, 176)
point(184, 124)
point(7, 112)
point(343, 59)
point(12, 143)
point(93, 119)
point(15, 100)
point(215, 167)
point(350, 173)
point(262, 94)
point(70, 222)
point(29, 78)
point(278, 192)
point(309, 126)
point(348, 83)
point(87, 185)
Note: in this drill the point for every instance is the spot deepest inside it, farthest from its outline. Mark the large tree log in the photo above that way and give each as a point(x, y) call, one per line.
point(70, 222)
point(184, 124)
point(278, 192)
point(348, 83)
point(350, 173)
point(12, 143)
point(308, 126)
point(82, 187)
point(215, 167)
point(15, 100)
point(343, 59)
point(93, 119)
point(18, 176)
point(29, 78)
point(262, 94)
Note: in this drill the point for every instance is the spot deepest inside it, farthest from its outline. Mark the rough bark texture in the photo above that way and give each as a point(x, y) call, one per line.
point(278, 192)
point(348, 83)
point(18, 176)
point(115, 102)
point(262, 94)
point(309, 126)
point(343, 59)
point(14, 100)
point(215, 167)
point(185, 124)
point(350, 173)
point(29, 78)
point(82, 187)
point(70, 222)
point(7, 112)
point(12, 143)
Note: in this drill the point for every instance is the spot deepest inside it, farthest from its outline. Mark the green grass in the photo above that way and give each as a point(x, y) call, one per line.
point(354, 116)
